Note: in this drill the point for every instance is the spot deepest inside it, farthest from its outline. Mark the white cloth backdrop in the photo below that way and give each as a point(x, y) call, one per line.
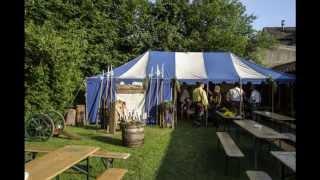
point(134, 102)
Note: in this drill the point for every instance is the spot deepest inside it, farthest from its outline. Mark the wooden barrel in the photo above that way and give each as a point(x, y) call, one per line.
point(70, 117)
point(80, 116)
point(133, 135)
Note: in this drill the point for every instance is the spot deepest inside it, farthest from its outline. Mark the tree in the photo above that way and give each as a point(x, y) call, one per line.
point(68, 40)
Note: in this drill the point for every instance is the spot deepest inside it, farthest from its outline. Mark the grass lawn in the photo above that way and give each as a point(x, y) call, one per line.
point(183, 153)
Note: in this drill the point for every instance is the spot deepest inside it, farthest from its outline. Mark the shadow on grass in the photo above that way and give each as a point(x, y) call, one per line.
point(190, 154)
point(92, 127)
point(193, 154)
point(108, 139)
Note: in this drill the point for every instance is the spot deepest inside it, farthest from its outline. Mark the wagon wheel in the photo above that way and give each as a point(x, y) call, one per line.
point(39, 126)
point(58, 121)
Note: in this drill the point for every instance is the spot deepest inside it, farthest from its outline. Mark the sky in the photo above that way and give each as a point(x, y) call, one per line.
point(270, 12)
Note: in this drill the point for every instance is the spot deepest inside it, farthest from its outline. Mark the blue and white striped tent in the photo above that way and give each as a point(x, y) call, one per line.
point(188, 67)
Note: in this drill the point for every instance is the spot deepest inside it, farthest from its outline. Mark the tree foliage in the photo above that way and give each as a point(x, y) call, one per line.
point(68, 40)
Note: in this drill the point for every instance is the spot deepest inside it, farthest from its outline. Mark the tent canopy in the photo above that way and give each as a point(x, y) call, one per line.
point(198, 66)
point(188, 67)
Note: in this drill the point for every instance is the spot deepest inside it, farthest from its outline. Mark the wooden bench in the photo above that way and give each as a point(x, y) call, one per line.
point(230, 148)
point(112, 174)
point(258, 175)
point(104, 155)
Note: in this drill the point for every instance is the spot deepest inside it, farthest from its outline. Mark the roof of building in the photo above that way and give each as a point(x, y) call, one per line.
point(286, 35)
point(287, 67)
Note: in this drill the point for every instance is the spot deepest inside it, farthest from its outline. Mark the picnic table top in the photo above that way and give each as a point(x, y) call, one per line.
point(275, 116)
point(287, 158)
point(100, 153)
point(55, 162)
point(259, 130)
point(228, 117)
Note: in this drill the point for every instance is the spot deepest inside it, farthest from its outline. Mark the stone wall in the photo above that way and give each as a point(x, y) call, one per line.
point(279, 55)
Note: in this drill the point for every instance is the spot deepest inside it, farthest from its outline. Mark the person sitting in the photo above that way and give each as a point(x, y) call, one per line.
point(234, 97)
point(200, 102)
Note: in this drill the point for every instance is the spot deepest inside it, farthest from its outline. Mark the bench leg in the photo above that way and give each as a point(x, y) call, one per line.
point(255, 153)
point(282, 172)
point(226, 165)
point(88, 168)
point(238, 167)
point(33, 155)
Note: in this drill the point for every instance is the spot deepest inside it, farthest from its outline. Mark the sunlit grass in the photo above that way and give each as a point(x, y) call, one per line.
point(183, 153)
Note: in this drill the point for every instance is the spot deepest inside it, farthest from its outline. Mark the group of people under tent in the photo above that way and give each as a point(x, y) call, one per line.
point(199, 103)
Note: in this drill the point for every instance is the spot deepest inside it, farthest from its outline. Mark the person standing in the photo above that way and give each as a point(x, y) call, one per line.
point(200, 101)
point(183, 99)
point(214, 102)
point(254, 99)
point(234, 97)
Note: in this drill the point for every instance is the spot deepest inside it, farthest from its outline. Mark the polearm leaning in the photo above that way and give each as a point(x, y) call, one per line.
point(161, 92)
point(106, 93)
point(149, 91)
point(99, 103)
point(157, 93)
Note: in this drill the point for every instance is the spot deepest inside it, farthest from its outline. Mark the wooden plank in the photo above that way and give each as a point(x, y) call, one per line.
point(287, 158)
point(112, 174)
point(274, 116)
point(55, 162)
point(229, 145)
point(290, 136)
point(258, 175)
point(259, 130)
point(100, 153)
point(112, 155)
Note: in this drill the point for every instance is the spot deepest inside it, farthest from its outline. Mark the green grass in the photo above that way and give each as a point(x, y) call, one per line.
point(183, 153)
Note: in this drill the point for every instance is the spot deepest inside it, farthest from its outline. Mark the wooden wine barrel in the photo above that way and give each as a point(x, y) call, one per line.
point(80, 115)
point(133, 135)
point(70, 117)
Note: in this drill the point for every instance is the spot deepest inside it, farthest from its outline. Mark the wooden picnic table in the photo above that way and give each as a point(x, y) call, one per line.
point(286, 158)
point(277, 118)
point(259, 132)
point(226, 118)
point(56, 162)
point(273, 115)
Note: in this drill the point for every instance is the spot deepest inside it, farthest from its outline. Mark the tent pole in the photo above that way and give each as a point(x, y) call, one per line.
point(86, 100)
point(291, 102)
point(208, 100)
point(272, 96)
point(240, 97)
point(279, 97)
